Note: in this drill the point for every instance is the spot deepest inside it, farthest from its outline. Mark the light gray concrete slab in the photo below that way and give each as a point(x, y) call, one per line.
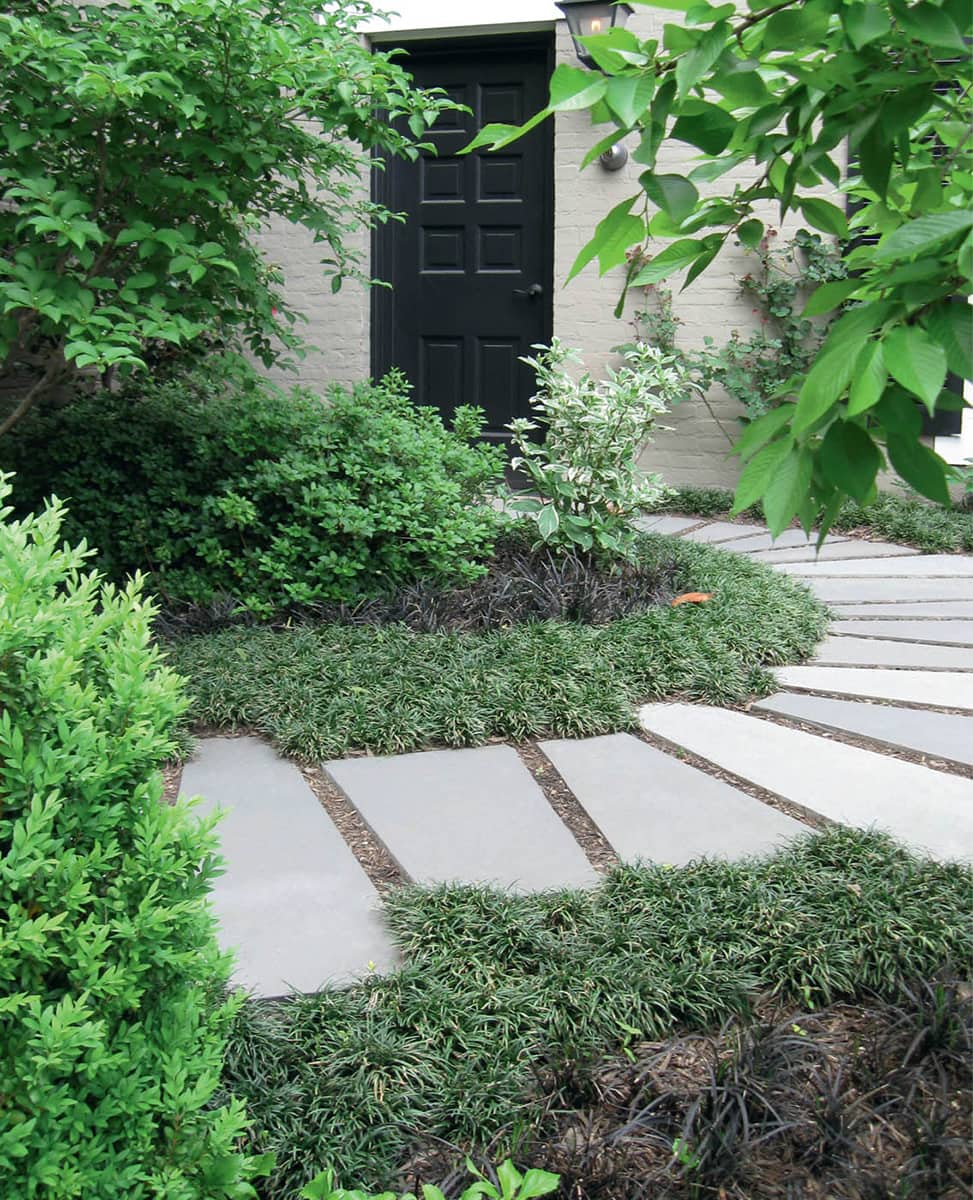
point(475, 816)
point(929, 810)
point(957, 633)
point(872, 652)
point(925, 609)
point(666, 523)
point(788, 539)
point(294, 902)
point(940, 735)
point(834, 550)
point(886, 591)
point(941, 689)
point(915, 566)
point(724, 531)
point(651, 806)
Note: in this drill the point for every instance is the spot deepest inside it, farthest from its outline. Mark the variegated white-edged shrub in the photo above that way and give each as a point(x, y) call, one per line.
point(585, 472)
point(112, 1014)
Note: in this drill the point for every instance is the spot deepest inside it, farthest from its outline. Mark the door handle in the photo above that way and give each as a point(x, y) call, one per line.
point(531, 293)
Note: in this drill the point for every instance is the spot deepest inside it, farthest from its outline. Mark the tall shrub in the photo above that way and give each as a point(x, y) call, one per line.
point(111, 1023)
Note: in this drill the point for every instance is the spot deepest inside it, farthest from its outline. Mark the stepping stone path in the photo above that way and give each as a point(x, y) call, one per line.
point(875, 732)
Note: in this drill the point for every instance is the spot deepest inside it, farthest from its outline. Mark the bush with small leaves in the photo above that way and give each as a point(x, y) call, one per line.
point(111, 1013)
point(585, 472)
point(220, 486)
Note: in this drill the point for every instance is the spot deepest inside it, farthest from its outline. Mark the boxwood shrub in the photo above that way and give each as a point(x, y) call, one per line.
point(220, 486)
point(111, 1013)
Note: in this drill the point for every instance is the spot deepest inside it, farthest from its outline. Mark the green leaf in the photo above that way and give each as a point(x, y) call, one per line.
point(864, 23)
point(705, 126)
point(675, 256)
point(964, 260)
point(750, 233)
point(762, 429)
point(796, 28)
point(758, 473)
point(674, 194)
point(825, 383)
point(868, 379)
point(787, 489)
point(613, 237)
point(875, 159)
point(713, 245)
point(628, 96)
point(573, 88)
point(824, 216)
point(829, 296)
point(916, 361)
point(951, 325)
point(693, 66)
point(921, 234)
point(919, 467)
point(547, 521)
point(850, 459)
point(928, 23)
point(537, 1183)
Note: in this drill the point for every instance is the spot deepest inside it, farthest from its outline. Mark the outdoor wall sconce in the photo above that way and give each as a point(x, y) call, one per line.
point(585, 18)
point(588, 17)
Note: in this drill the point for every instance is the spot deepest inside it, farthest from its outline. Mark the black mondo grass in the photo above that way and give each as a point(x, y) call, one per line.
point(573, 1031)
point(323, 690)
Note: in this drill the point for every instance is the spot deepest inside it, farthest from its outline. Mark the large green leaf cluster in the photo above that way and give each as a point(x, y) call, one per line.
point(223, 488)
point(788, 88)
point(111, 1034)
point(143, 144)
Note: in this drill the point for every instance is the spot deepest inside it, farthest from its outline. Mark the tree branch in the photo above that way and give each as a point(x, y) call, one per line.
point(54, 370)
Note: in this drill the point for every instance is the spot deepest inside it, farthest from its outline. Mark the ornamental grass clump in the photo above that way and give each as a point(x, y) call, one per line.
point(111, 1016)
point(585, 472)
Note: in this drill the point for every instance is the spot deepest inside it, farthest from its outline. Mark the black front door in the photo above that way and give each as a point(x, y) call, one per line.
point(471, 268)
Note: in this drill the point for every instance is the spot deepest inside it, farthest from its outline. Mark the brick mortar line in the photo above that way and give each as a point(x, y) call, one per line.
point(882, 700)
point(572, 813)
point(789, 808)
point(374, 857)
point(946, 766)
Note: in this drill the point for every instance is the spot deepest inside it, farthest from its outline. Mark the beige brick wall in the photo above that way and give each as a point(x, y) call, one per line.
point(695, 451)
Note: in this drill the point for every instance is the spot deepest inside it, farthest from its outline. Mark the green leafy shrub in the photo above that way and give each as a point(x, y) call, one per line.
point(586, 472)
point(111, 1029)
point(219, 485)
point(512, 1186)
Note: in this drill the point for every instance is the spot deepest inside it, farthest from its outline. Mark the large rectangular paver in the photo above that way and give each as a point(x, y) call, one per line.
point(916, 566)
point(651, 806)
point(940, 735)
point(925, 609)
point(666, 523)
point(834, 549)
point(724, 531)
point(941, 689)
point(957, 633)
point(929, 810)
point(294, 902)
point(787, 540)
point(474, 816)
point(872, 652)
point(887, 591)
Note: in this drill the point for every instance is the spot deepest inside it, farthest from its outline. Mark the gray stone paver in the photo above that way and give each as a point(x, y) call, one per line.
point(958, 633)
point(924, 609)
point(871, 652)
point(723, 531)
point(294, 902)
point(833, 550)
point(471, 815)
point(788, 539)
point(666, 523)
point(929, 810)
point(885, 591)
point(924, 566)
point(940, 735)
point(941, 689)
point(651, 806)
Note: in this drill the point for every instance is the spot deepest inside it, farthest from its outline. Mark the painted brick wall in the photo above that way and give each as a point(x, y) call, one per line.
point(695, 450)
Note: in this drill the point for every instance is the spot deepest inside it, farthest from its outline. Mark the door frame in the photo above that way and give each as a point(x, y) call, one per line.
point(383, 239)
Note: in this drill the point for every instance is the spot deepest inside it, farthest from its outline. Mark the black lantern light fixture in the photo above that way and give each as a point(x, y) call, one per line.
point(586, 18)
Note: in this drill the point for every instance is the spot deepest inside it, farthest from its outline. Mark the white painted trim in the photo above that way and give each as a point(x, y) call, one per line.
point(440, 18)
point(378, 36)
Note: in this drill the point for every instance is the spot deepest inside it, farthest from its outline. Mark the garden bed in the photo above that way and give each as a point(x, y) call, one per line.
point(323, 690)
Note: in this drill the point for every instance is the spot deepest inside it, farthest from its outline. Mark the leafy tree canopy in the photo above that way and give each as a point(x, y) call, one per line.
point(791, 90)
point(143, 144)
